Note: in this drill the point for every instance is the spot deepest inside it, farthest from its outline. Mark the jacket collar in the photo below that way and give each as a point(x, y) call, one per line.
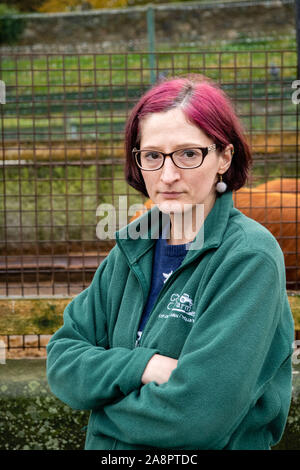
point(139, 236)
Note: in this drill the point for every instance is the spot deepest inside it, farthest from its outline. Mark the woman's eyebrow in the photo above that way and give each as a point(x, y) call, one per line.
point(178, 146)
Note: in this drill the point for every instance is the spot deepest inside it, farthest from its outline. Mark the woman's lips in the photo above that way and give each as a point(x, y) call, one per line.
point(170, 194)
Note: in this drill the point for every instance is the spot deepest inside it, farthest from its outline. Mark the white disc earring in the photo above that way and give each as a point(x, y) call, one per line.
point(221, 186)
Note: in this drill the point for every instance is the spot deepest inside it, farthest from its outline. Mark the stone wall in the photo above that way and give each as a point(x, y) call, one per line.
point(125, 29)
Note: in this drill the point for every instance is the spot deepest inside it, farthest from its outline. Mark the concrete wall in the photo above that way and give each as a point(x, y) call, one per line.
point(185, 22)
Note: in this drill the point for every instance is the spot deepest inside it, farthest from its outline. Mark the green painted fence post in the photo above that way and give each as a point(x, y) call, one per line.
point(151, 42)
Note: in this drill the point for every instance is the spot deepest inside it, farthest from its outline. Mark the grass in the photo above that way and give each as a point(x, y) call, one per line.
point(42, 70)
point(273, 111)
point(86, 97)
point(52, 75)
point(58, 203)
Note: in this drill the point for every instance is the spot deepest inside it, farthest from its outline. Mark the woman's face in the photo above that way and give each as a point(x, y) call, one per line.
point(174, 189)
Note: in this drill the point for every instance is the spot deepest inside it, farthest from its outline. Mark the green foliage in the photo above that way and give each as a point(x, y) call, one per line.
point(75, 188)
point(53, 6)
point(11, 28)
point(132, 3)
point(31, 418)
point(40, 423)
point(26, 6)
point(290, 438)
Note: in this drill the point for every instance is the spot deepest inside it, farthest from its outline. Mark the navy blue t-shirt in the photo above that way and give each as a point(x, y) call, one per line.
point(167, 258)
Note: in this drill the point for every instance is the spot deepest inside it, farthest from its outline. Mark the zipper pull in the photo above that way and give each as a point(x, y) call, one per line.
point(138, 339)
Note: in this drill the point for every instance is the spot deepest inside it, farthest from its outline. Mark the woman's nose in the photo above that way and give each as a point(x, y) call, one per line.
point(169, 172)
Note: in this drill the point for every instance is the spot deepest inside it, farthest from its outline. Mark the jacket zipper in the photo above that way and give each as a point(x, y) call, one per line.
point(171, 279)
point(137, 341)
point(131, 266)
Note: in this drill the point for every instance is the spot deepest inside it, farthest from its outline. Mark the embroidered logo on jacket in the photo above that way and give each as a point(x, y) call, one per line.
point(180, 306)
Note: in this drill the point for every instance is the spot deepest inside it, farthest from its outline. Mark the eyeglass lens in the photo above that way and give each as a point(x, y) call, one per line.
point(186, 158)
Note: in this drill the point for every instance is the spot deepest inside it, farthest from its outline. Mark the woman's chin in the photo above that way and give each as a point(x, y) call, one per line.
point(169, 207)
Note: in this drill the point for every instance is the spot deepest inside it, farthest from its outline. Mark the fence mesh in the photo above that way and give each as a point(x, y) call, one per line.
point(22, 346)
point(62, 152)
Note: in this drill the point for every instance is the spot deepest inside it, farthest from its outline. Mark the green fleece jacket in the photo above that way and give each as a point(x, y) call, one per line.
point(224, 314)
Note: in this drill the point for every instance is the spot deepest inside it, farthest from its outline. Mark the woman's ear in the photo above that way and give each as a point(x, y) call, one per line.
point(225, 158)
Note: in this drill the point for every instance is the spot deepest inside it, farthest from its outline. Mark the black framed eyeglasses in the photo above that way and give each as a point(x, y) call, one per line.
point(151, 160)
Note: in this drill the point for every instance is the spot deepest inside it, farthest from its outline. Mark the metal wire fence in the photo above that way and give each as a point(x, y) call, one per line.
point(22, 346)
point(62, 152)
point(34, 346)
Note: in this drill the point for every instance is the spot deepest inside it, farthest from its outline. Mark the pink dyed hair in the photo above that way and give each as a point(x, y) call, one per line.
point(206, 106)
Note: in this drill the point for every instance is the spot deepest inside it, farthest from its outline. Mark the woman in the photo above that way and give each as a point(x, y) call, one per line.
point(184, 338)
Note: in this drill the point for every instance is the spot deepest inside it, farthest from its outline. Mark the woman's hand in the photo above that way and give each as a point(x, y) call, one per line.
point(159, 369)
